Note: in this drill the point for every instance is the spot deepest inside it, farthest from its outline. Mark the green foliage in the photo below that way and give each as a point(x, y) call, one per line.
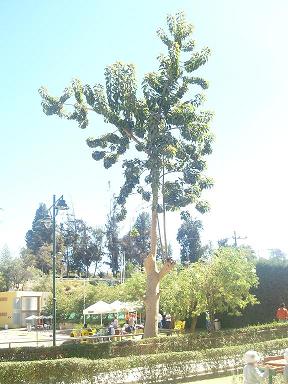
point(271, 292)
point(153, 368)
point(41, 232)
point(134, 288)
point(227, 280)
point(171, 132)
point(219, 285)
point(188, 236)
point(180, 293)
point(136, 244)
point(70, 298)
point(83, 246)
point(12, 271)
point(179, 343)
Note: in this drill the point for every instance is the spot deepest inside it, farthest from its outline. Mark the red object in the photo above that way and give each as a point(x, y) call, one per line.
point(282, 314)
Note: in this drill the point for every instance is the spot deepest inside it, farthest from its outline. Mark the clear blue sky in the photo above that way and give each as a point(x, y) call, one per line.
point(50, 42)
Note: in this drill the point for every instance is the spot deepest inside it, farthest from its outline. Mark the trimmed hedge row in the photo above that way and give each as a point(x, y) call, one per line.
point(147, 369)
point(192, 342)
point(86, 351)
point(188, 342)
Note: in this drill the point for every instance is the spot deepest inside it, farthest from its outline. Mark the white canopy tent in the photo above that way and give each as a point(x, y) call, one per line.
point(101, 308)
point(34, 317)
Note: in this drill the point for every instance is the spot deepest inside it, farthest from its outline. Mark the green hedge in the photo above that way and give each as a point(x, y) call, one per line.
point(87, 351)
point(148, 369)
point(186, 342)
point(192, 342)
point(272, 290)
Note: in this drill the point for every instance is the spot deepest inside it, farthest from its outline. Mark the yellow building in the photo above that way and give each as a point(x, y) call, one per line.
point(15, 306)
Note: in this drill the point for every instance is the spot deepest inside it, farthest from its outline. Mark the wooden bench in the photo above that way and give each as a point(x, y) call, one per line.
point(169, 332)
point(277, 363)
point(103, 338)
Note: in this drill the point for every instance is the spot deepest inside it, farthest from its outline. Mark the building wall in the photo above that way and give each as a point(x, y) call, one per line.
point(15, 306)
point(7, 302)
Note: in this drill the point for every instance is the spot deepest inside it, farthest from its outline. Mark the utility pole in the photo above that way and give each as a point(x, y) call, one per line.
point(235, 238)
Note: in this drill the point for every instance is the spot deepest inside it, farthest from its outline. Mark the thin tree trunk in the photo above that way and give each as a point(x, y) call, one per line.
point(164, 213)
point(160, 238)
point(194, 323)
point(153, 274)
point(96, 264)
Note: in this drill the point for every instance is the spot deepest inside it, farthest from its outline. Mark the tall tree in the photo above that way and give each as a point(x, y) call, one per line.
point(113, 243)
point(277, 254)
point(188, 236)
point(41, 232)
point(136, 244)
point(170, 133)
point(83, 246)
point(227, 279)
point(12, 271)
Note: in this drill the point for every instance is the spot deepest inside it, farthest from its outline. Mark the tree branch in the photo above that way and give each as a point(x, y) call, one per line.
point(128, 133)
point(167, 267)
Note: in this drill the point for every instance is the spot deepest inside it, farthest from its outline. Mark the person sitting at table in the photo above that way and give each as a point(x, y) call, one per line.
point(131, 322)
point(111, 329)
point(282, 314)
point(163, 321)
point(126, 328)
point(168, 321)
point(115, 322)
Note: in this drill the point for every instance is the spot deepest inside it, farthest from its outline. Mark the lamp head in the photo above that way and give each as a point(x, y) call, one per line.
point(61, 204)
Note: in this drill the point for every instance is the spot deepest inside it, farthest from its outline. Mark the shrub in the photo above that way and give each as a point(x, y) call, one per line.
point(88, 351)
point(187, 342)
point(147, 369)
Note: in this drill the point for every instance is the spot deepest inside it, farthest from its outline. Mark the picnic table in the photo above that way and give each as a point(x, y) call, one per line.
point(277, 364)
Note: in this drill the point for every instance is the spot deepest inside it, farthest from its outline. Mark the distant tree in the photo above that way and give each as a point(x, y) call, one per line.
point(170, 132)
point(189, 239)
point(161, 254)
point(83, 246)
point(12, 271)
point(277, 254)
point(136, 244)
point(113, 242)
point(41, 232)
point(6, 267)
point(223, 242)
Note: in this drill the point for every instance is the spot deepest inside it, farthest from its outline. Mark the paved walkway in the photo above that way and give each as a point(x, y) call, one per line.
point(22, 338)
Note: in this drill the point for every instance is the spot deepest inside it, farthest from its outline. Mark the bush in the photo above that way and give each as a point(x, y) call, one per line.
point(187, 342)
point(87, 351)
point(147, 369)
point(272, 290)
point(196, 342)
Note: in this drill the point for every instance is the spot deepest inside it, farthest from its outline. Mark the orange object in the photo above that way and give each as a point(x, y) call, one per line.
point(282, 314)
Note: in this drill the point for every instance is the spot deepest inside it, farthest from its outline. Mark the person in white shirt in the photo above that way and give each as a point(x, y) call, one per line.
point(252, 374)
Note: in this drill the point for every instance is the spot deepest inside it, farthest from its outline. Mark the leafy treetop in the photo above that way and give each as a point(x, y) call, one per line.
point(171, 133)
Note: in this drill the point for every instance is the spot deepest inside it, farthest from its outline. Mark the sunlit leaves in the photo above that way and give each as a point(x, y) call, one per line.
point(121, 88)
point(166, 124)
point(197, 60)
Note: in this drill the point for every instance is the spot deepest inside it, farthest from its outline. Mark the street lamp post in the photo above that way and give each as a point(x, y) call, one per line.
point(58, 204)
